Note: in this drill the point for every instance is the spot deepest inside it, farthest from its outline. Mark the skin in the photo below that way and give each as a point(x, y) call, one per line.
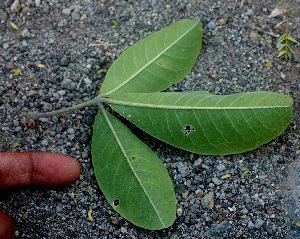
point(33, 168)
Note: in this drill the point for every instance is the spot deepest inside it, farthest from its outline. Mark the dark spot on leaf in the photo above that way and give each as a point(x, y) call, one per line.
point(188, 129)
point(133, 157)
point(116, 202)
point(161, 63)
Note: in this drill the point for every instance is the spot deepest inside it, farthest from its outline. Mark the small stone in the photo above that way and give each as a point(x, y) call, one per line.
point(25, 33)
point(44, 142)
point(18, 129)
point(198, 162)
point(259, 222)
point(10, 65)
point(114, 221)
point(199, 193)
point(83, 17)
point(250, 224)
point(32, 93)
point(37, 3)
point(211, 25)
point(66, 11)
point(282, 76)
point(75, 16)
point(182, 169)
point(221, 167)
point(249, 12)
point(24, 43)
point(3, 15)
point(269, 226)
point(21, 103)
point(244, 211)
point(64, 61)
point(87, 81)
point(44, 120)
point(61, 92)
point(217, 181)
point(15, 7)
point(222, 21)
point(71, 131)
point(68, 84)
point(208, 201)
point(26, 10)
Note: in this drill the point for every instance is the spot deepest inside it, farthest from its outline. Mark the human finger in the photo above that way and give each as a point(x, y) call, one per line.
point(37, 168)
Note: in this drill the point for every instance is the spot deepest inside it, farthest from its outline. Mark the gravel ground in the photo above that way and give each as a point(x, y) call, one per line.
point(59, 69)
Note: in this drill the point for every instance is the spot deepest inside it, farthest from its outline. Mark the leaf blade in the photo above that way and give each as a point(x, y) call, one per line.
point(208, 124)
point(127, 170)
point(153, 63)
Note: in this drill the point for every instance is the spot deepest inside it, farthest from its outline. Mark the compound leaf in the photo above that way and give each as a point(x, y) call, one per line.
point(205, 123)
point(156, 62)
point(131, 176)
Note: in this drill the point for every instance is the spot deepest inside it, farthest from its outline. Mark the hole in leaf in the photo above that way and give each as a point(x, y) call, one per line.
point(188, 129)
point(116, 202)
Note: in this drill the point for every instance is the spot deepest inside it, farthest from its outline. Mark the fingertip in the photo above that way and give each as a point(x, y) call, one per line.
point(54, 169)
point(7, 229)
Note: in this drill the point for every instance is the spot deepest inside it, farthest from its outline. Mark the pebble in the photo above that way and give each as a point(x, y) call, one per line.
point(87, 81)
point(114, 221)
point(250, 224)
point(15, 7)
point(10, 65)
point(26, 10)
point(25, 33)
point(18, 129)
point(249, 12)
point(71, 131)
point(75, 15)
point(44, 142)
point(66, 11)
point(221, 167)
point(208, 200)
point(198, 162)
point(182, 169)
point(259, 222)
point(211, 25)
point(222, 21)
point(217, 181)
point(61, 92)
point(3, 15)
point(32, 93)
point(68, 84)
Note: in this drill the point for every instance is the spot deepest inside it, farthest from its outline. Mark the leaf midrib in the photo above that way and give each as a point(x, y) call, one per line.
point(181, 107)
point(149, 63)
point(129, 163)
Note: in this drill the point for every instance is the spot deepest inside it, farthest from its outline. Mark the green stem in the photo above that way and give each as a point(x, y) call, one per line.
point(95, 101)
point(286, 32)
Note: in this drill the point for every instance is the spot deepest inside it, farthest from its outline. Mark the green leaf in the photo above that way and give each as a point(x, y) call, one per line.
point(280, 48)
point(289, 55)
point(298, 224)
point(131, 176)
point(291, 39)
point(14, 26)
point(289, 48)
point(281, 38)
point(156, 62)
point(15, 145)
point(117, 27)
point(281, 53)
point(207, 124)
point(245, 172)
